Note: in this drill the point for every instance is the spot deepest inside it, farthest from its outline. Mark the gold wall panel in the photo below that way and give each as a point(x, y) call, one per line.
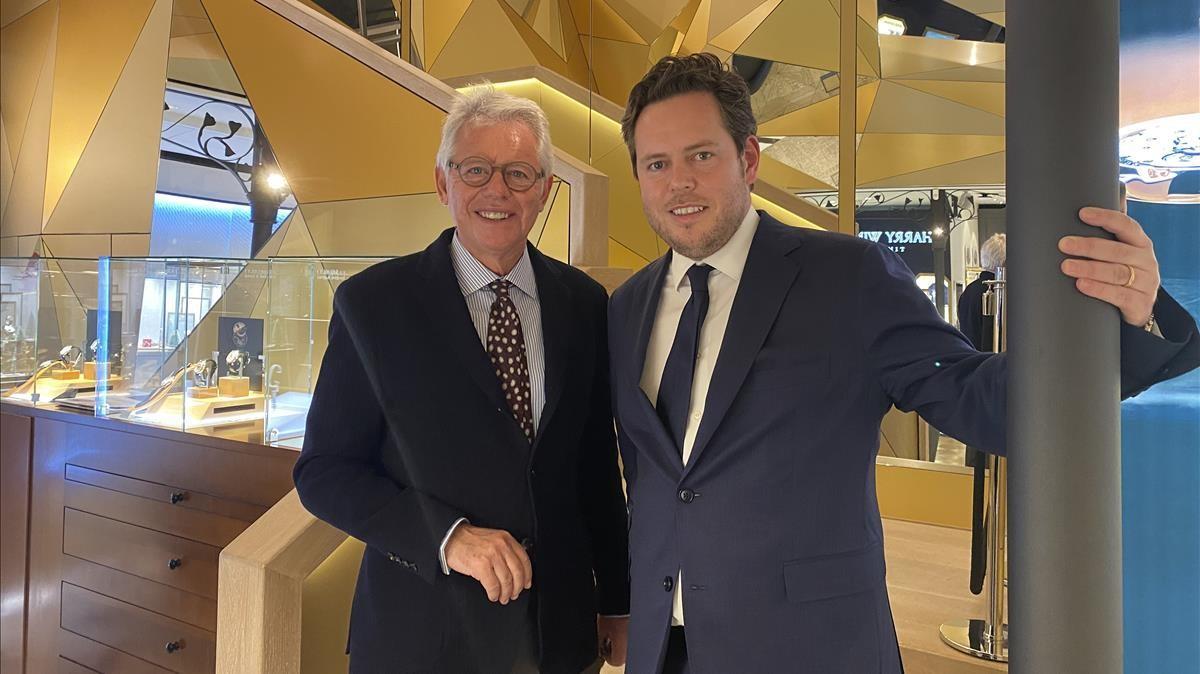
point(617, 66)
point(800, 32)
point(944, 496)
point(6, 166)
point(918, 57)
point(884, 155)
point(552, 234)
point(416, 16)
point(650, 16)
point(994, 17)
point(386, 226)
point(868, 49)
point(441, 17)
point(23, 209)
point(598, 19)
point(693, 23)
point(23, 51)
point(12, 10)
point(295, 240)
point(780, 213)
point(485, 22)
point(85, 72)
point(301, 89)
point(732, 37)
point(112, 186)
point(130, 245)
point(76, 245)
point(900, 109)
point(986, 96)
point(724, 13)
point(985, 170)
point(821, 118)
point(984, 72)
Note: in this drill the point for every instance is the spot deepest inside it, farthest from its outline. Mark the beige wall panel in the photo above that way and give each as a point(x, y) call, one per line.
point(441, 17)
point(329, 589)
point(821, 118)
point(77, 245)
point(271, 247)
point(384, 227)
point(986, 96)
point(131, 245)
point(23, 210)
point(301, 89)
point(23, 46)
point(86, 70)
point(725, 13)
point(986, 170)
point(617, 65)
point(484, 23)
point(6, 166)
point(907, 55)
point(182, 26)
point(883, 155)
point(112, 186)
point(626, 221)
point(297, 241)
point(731, 38)
point(212, 73)
point(899, 109)
point(11, 10)
point(598, 19)
point(554, 237)
point(800, 32)
point(781, 175)
point(19, 246)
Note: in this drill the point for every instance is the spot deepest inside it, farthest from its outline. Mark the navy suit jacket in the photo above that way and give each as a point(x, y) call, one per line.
point(409, 430)
point(774, 521)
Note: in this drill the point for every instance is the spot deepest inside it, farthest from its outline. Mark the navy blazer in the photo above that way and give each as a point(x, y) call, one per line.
point(409, 430)
point(774, 521)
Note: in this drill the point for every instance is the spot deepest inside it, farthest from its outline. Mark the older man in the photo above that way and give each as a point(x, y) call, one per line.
point(462, 429)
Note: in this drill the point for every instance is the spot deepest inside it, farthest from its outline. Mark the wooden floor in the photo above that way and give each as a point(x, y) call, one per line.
point(928, 573)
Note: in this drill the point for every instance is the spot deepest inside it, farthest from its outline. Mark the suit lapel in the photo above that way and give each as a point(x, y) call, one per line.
point(766, 279)
point(447, 309)
point(648, 297)
point(555, 299)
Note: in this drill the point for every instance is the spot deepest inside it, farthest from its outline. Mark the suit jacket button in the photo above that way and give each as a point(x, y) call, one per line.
point(669, 583)
point(687, 495)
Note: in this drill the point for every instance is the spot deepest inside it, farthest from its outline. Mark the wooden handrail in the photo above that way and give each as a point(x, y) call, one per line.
point(260, 588)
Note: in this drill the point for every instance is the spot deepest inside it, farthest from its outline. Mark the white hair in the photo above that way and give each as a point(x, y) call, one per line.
point(991, 256)
point(482, 104)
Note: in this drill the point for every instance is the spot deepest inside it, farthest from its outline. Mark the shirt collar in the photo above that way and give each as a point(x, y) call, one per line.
point(730, 259)
point(474, 276)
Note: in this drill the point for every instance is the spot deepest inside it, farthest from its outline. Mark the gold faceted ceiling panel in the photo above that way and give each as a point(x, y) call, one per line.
point(899, 109)
point(821, 118)
point(441, 18)
point(22, 54)
point(986, 96)
point(884, 155)
point(985, 170)
point(338, 129)
point(732, 37)
point(485, 22)
point(85, 72)
point(800, 32)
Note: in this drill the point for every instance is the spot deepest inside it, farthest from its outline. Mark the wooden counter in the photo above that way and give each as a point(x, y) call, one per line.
point(125, 525)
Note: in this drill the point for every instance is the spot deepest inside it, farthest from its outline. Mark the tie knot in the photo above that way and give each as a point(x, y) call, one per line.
point(500, 287)
point(698, 277)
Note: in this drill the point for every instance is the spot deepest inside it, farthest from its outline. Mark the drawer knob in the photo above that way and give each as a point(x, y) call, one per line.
point(174, 563)
point(174, 646)
point(177, 496)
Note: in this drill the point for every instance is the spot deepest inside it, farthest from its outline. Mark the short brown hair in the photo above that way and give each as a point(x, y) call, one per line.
point(675, 75)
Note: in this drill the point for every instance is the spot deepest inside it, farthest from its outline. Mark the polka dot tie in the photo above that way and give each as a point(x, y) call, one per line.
point(506, 348)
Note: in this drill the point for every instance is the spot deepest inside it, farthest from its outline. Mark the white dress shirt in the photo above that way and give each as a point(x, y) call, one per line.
point(473, 279)
point(727, 264)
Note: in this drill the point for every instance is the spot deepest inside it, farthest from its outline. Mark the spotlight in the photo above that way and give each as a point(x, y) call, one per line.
point(276, 181)
point(938, 231)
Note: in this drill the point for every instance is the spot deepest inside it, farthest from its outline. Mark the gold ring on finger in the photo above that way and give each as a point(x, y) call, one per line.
point(1132, 276)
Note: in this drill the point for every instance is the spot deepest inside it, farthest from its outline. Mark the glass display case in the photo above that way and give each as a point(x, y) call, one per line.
point(213, 346)
point(49, 346)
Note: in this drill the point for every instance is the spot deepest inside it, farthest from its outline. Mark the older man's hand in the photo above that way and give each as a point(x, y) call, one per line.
point(1123, 272)
point(494, 558)
point(612, 633)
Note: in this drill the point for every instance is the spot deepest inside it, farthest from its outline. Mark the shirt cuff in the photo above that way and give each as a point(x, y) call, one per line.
point(442, 547)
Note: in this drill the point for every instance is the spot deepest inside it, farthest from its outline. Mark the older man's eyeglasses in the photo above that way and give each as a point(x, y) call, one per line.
point(476, 172)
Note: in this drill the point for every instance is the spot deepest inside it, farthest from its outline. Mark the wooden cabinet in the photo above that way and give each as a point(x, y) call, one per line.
point(16, 436)
point(126, 525)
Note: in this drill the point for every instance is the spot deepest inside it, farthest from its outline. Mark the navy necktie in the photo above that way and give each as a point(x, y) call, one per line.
point(675, 390)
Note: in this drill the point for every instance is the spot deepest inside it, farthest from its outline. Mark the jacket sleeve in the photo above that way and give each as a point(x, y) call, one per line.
point(1147, 359)
point(340, 476)
point(600, 483)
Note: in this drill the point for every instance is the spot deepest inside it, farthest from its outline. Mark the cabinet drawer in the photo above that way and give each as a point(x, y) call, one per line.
point(163, 493)
point(247, 474)
point(100, 658)
point(160, 557)
point(157, 639)
point(197, 525)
